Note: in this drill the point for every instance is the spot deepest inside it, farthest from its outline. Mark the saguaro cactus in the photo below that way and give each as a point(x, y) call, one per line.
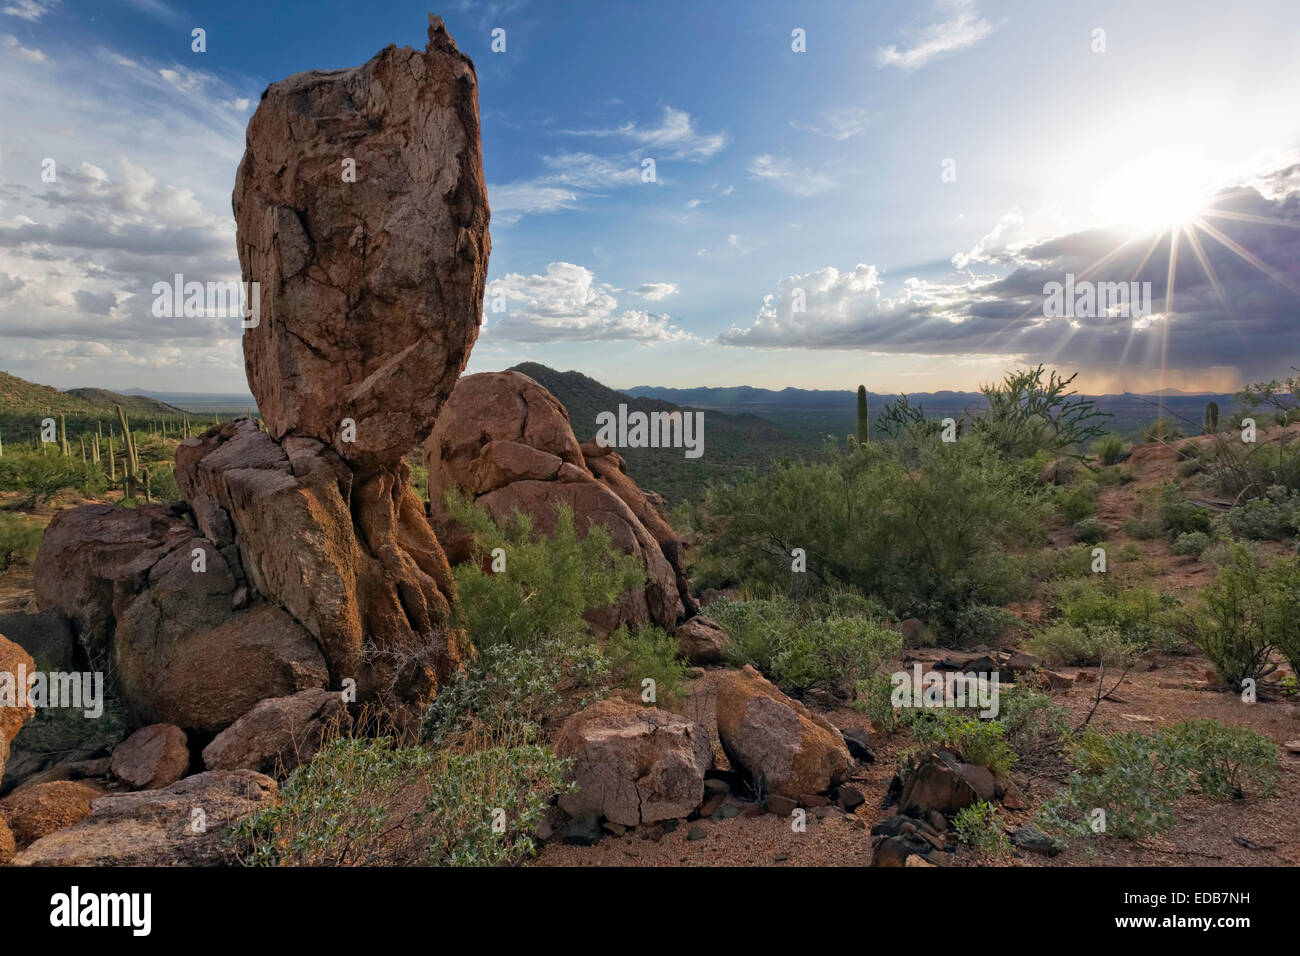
point(1212, 417)
point(131, 466)
point(864, 417)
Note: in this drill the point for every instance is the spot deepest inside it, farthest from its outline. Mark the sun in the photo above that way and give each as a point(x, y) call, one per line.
point(1160, 192)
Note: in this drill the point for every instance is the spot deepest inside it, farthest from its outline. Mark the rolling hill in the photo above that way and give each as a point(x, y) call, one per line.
point(23, 404)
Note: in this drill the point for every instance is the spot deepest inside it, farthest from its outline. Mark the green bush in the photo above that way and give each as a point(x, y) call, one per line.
point(1136, 779)
point(1068, 645)
point(980, 827)
point(924, 530)
point(1273, 517)
point(365, 802)
point(1193, 543)
point(981, 742)
point(1162, 430)
point(1143, 617)
point(1142, 530)
point(1077, 503)
point(1035, 725)
point(20, 539)
point(1090, 531)
point(1222, 761)
point(1180, 516)
point(1108, 449)
point(507, 693)
point(806, 646)
point(1239, 615)
point(648, 652)
point(548, 583)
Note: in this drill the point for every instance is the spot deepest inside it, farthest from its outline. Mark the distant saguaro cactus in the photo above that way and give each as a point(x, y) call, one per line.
point(864, 417)
point(1212, 417)
point(131, 465)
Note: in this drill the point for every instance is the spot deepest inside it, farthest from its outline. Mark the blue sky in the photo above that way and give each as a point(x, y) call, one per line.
point(915, 175)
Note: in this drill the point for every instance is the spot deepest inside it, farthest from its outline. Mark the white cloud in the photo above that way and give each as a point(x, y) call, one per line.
point(654, 291)
point(31, 10)
point(675, 137)
point(839, 124)
point(568, 304)
point(782, 173)
point(962, 28)
point(30, 55)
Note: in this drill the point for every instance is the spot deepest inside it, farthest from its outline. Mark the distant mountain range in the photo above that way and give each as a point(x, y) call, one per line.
point(746, 427)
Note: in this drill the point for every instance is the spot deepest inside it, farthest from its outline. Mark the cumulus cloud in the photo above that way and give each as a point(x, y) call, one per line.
point(568, 304)
point(1245, 243)
point(782, 173)
point(79, 255)
point(962, 27)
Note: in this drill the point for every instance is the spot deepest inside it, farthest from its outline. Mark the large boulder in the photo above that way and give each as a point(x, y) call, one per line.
point(184, 824)
point(14, 662)
point(278, 734)
point(782, 745)
point(505, 442)
point(372, 284)
point(701, 640)
point(633, 764)
point(352, 559)
point(151, 758)
point(46, 635)
point(168, 623)
point(39, 810)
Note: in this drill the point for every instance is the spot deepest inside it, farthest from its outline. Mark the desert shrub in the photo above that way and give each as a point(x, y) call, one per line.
point(983, 624)
point(1193, 543)
point(1142, 530)
point(527, 624)
point(1140, 617)
point(1162, 430)
point(647, 652)
point(928, 536)
point(981, 742)
point(41, 473)
point(873, 696)
point(1029, 412)
point(1239, 613)
point(1066, 645)
point(362, 802)
point(1078, 502)
point(1068, 563)
point(1124, 778)
point(1090, 531)
point(507, 693)
point(1035, 725)
point(1222, 761)
point(805, 646)
point(548, 581)
point(1130, 552)
point(1274, 516)
point(20, 538)
point(1108, 449)
point(1180, 516)
point(1136, 779)
point(980, 827)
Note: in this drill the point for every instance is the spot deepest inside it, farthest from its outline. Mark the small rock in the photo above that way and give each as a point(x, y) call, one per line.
point(781, 806)
point(938, 821)
point(696, 833)
point(813, 800)
point(701, 640)
point(914, 860)
point(1138, 718)
point(1292, 746)
point(858, 740)
point(582, 830)
point(1034, 840)
point(850, 798)
point(614, 829)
